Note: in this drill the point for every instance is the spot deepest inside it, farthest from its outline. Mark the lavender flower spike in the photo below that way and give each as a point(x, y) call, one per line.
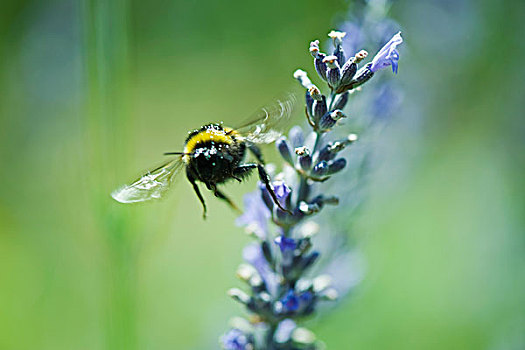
point(388, 55)
point(283, 284)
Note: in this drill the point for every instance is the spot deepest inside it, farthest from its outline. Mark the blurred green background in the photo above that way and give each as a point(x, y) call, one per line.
point(92, 93)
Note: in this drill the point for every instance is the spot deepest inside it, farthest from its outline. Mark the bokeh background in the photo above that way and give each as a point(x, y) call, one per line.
point(92, 92)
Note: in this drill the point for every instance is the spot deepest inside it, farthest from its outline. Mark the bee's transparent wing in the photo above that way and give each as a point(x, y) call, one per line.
point(265, 126)
point(151, 185)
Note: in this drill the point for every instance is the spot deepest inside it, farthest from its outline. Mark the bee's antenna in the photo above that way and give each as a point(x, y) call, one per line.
point(176, 153)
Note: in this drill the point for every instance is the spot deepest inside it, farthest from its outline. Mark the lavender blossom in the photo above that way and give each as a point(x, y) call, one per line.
point(235, 339)
point(255, 217)
point(388, 55)
point(284, 281)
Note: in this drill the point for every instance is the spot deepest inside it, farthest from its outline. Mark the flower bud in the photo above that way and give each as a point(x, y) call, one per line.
point(337, 37)
point(284, 150)
point(320, 66)
point(256, 282)
point(303, 336)
point(284, 331)
point(266, 197)
point(304, 157)
point(308, 209)
point(329, 119)
point(309, 103)
point(333, 72)
point(314, 48)
point(245, 272)
point(267, 252)
point(320, 201)
point(362, 76)
point(320, 169)
point(296, 136)
point(322, 282)
point(348, 71)
point(264, 296)
point(303, 285)
point(339, 53)
point(309, 260)
point(305, 162)
point(336, 166)
point(241, 324)
point(319, 108)
point(329, 151)
point(361, 55)
point(341, 100)
point(239, 295)
point(282, 218)
point(330, 294)
point(302, 76)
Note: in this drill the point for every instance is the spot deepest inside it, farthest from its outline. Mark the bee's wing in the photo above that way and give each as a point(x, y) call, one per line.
point(151, 185)
point(265, 126)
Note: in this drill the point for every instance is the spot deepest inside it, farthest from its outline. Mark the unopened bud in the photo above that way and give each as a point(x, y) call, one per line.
point(320, 283)
point(284, 149)
point(336, 166)
point(303, 336)
point(361, 55)
point(329, 119)
point(314, 48)
point(330, 294)
point(320, 169)
point(302, 77)
point(341, 100)
point(330, 61)
point(239, 295)
point(308, 209)
point(245, 272)
point(337, 36)
point(315, 93)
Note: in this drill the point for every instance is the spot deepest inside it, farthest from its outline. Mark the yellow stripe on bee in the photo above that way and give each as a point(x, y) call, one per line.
point(218, 136)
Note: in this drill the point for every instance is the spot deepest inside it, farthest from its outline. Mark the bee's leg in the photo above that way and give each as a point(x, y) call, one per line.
point(243, 171)
point(265, 178)
point(198, 192)
point(222, 196)
point(256, 152)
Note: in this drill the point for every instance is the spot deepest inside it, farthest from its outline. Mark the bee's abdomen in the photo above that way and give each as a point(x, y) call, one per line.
point(215, 163)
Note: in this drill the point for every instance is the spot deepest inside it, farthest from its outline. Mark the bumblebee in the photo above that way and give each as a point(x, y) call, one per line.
point(213, 155)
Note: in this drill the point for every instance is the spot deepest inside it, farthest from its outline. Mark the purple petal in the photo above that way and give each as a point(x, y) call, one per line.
point(388, 55)
point(290, 302)
point(235, 339)
point(285, 243)
point(281, 191)
point(255, 216)
point(253, 255)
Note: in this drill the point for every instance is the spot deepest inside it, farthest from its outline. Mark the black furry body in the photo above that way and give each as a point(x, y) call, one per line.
point(214, 154)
